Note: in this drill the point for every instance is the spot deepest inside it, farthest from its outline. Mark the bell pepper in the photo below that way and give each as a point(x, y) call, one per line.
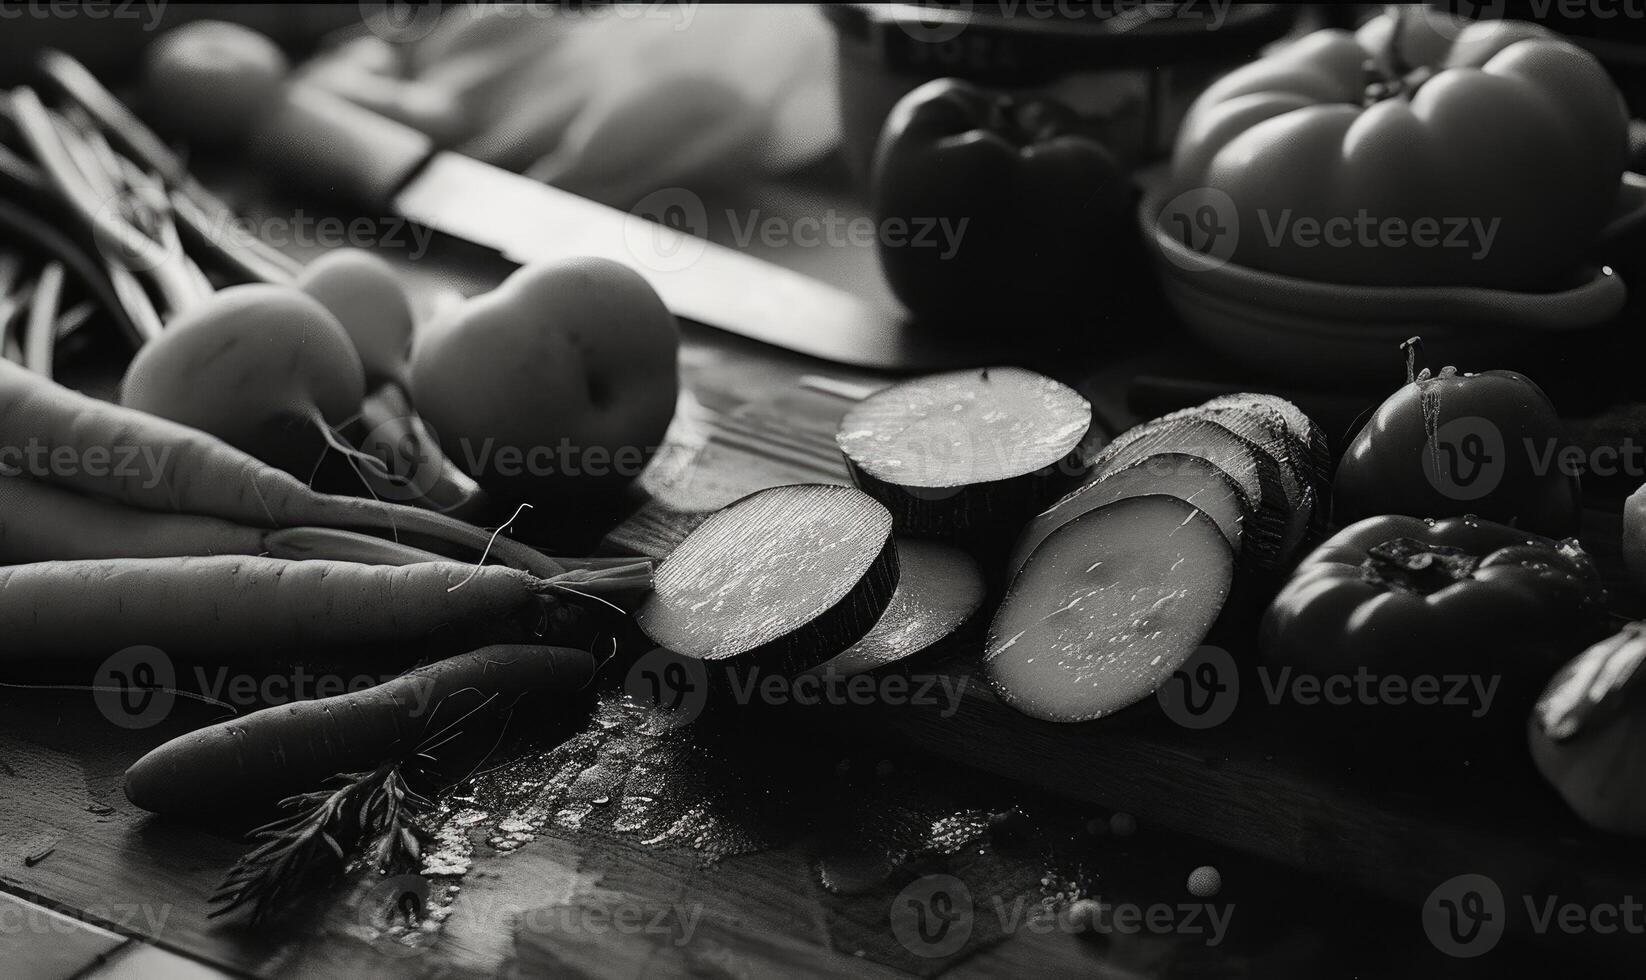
point(1489, 612)
point(1416, 151)
point(992, 205)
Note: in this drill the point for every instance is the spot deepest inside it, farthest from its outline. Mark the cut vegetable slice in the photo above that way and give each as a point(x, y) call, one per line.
point(956, 454)
point(780, 580)
point(1188, 478)
point(1107, 608)
point(1247, 465)
point(1317, 452)
point(938, 588)
point(1263, 427)
point(1261, 421)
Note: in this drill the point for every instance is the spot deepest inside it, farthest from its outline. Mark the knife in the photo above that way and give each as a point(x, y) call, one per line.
point(327, 144)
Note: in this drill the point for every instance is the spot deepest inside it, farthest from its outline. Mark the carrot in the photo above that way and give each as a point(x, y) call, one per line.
point(234, 608)
point(42, 522)
point(148, 462)
point(278, 752)
point(330, 543)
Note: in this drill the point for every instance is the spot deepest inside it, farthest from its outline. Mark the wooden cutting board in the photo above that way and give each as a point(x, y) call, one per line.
point(1258, 783)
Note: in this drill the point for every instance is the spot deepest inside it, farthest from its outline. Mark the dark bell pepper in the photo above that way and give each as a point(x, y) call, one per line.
point(1479, 607)
point(1025, 212)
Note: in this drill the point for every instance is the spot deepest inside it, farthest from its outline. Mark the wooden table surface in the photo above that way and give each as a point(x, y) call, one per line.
point(99, 889)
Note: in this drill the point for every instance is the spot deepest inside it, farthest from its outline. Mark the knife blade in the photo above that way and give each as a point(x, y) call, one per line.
point(329, 144)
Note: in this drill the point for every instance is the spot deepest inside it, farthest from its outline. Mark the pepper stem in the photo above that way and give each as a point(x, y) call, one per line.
point(1413, 346)
point(1410, 565)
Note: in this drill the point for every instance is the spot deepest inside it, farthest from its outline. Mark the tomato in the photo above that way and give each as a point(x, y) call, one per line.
point(1488, 611)
point(1019, 210)
point(1449, 444)
point(1396, 156)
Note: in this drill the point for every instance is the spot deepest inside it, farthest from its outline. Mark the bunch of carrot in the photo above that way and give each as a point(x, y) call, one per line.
point(118, 527)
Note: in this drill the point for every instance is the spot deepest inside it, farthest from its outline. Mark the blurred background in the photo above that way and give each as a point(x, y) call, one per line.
point(614, 100)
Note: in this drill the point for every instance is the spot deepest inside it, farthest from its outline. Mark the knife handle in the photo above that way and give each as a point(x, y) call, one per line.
point(309, 137)
point(324, 143)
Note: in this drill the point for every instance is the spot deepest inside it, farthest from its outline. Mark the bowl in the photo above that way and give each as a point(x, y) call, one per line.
point(1297, 329)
